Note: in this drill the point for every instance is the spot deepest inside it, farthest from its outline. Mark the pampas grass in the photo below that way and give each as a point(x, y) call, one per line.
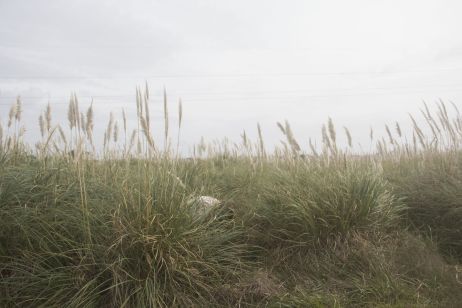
point(120, 226)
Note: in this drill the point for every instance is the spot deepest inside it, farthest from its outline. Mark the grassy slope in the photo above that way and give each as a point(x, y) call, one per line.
point(124, 233)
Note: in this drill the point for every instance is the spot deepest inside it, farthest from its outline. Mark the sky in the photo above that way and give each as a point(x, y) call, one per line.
point(233, 63)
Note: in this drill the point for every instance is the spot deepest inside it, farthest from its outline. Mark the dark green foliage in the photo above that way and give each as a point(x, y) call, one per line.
point(294, 233)
point(308, 204)
point(432, 189)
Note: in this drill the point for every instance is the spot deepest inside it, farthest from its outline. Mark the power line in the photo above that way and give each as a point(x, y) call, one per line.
point(135, 46)
point(237, 75)
point(222, 99)
point(208, 94)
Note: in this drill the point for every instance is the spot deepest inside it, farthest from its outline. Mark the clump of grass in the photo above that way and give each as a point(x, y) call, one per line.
point(144, 247)
point(306, 204)
point(431, 189)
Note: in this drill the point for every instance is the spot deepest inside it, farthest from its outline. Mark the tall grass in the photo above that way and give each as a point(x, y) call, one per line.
point(122, 224)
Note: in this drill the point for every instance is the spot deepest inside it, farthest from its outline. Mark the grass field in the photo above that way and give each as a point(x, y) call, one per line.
point(89, 225)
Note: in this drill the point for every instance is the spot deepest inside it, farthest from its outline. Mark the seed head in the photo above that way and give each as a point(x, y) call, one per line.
point(116, 131)
point(347, 133)
point(12, 114)
point(89, 124)
point(42, 125)
point(18, 109)
point(48, 117)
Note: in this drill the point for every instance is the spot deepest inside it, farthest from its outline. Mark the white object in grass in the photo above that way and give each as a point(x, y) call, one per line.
point(208, 201)
point(202, 205)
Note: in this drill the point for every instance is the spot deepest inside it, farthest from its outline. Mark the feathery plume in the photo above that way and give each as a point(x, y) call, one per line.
point(116, 131)
point(290, 138)
point(144, 125)
point(331, 128)
point(124, 118)
point(48, 117)
point(77, 112)
point(260, 140)
point(42, 125)
point(244, 139)
point(109, 127)
point(12, 114)
point(398, 130)
point(146, 108)
point(418, 132)
point(18, 109)
point(89, 124)
point(71, 113)
point(389, 134)
point(105, 138)
point(281, 128)
point(82, 122)
point(146, 91)
point(139, 98)
point(348, 135)
point(180, 113)
point(138, 103)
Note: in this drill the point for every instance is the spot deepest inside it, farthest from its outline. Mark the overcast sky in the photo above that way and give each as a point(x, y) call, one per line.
point(234, 63)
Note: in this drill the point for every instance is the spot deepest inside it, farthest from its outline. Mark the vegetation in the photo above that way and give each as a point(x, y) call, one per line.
point(122, 226)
